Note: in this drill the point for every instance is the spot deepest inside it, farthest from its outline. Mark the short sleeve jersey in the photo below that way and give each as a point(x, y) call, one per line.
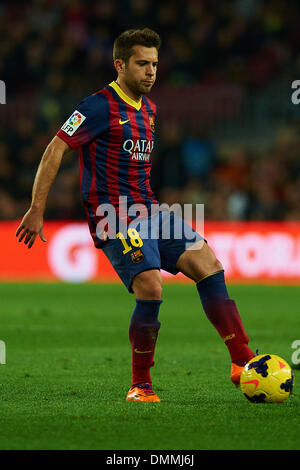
point(115, 136)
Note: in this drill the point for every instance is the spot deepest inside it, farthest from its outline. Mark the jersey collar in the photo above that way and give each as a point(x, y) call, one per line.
point(136, 104)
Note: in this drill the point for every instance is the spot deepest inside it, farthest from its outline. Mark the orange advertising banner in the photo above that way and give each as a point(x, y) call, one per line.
point(249, 252)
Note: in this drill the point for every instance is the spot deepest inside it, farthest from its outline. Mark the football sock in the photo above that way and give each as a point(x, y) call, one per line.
point(222, 312)
point(143, 331)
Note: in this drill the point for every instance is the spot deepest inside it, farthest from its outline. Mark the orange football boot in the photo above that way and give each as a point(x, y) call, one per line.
point(236, 373)
point(142, 392)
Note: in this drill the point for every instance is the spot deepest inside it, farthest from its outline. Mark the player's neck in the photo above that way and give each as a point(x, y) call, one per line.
point(128, 92)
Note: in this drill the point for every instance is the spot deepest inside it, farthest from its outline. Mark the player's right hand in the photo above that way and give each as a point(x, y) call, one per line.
point(31, 226)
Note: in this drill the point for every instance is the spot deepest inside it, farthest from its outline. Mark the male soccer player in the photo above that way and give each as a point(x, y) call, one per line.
point(114, 131)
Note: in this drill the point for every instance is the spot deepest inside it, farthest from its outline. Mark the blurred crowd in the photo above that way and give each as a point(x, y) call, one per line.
point(235, 183)
point(53, 53)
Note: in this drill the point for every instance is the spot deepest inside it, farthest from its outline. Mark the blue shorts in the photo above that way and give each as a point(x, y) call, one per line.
point(157, 243)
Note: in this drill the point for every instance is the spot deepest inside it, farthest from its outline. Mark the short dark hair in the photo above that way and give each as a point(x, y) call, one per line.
point(134, 37)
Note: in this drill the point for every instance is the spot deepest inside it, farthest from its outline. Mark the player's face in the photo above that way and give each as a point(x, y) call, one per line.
point(140, 71)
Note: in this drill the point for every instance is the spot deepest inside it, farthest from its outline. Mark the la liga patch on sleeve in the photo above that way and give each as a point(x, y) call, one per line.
point(73, 123)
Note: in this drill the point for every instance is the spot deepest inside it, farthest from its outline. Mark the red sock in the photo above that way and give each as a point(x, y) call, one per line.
point(143, 338)
point(224, 315)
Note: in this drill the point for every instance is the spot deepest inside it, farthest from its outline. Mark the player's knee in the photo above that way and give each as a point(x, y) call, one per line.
point(200, 263)
point(209, 262)
point(212, 265)
point(148, 285)
point(153, 291)
point(149, 291)
point(216, 265)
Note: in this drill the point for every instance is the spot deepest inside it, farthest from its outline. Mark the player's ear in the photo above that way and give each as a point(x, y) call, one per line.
point(119, 65)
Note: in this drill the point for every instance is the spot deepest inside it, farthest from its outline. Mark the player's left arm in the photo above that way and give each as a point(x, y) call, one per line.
point(32, 222)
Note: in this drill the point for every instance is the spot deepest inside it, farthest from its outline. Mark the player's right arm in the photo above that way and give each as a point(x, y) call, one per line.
point(90, 119)
point(32, 222)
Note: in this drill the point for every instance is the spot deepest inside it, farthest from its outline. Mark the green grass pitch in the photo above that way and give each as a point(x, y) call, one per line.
point(68, 369)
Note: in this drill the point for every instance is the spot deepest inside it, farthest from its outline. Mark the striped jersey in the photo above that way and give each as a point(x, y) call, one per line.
point(115, 136)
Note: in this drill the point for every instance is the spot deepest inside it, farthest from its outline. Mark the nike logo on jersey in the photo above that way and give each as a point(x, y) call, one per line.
point(123, 122)
point(141, 352)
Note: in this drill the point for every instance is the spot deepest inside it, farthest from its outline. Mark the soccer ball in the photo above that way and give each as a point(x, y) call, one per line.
point(267, 378)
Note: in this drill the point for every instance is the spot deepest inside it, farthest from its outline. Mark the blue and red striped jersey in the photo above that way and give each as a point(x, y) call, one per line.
point(115, 138)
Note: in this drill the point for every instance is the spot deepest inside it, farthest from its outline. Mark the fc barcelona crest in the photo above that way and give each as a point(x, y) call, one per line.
point(137, 256)
point(151, 122)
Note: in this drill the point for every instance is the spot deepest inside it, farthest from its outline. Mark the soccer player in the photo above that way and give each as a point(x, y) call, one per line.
point(113, 129)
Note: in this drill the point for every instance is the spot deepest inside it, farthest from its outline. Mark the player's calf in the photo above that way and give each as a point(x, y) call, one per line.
point(224, 315)
point(204, 268)
point(144, 327)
